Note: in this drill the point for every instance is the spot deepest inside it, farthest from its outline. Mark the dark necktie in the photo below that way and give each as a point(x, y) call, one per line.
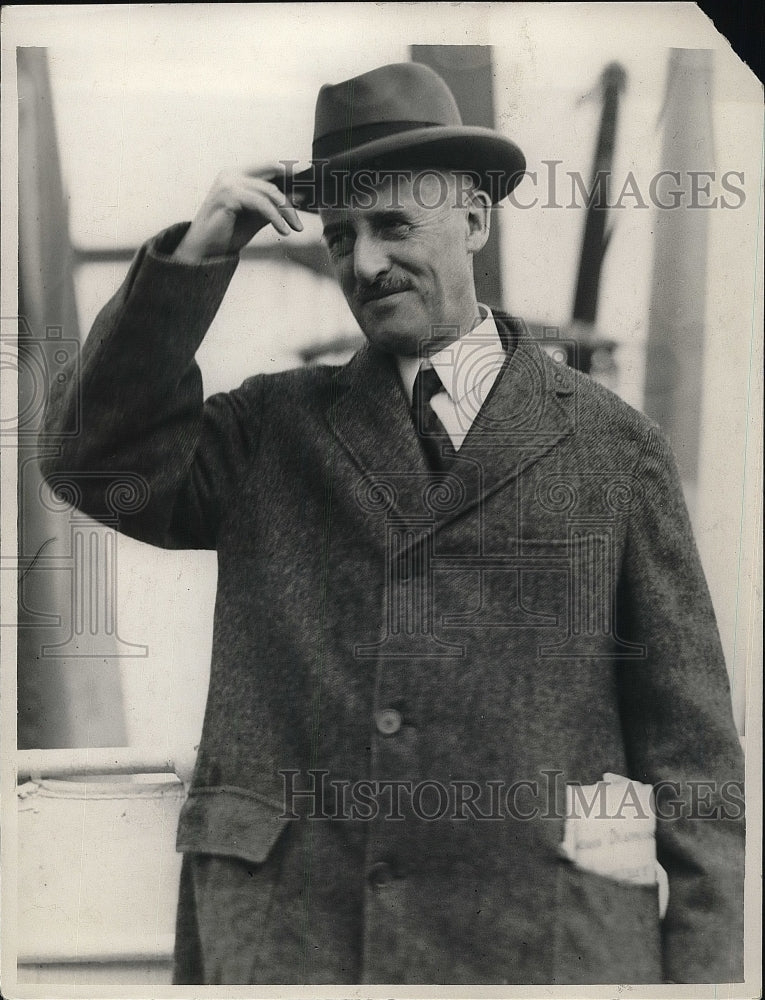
point(433, 436)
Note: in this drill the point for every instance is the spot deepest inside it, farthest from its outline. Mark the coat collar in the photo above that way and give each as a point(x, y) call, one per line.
point(522, 419)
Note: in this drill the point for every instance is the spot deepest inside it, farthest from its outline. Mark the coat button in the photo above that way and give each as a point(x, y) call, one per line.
point(380, 874)
point(388, 721)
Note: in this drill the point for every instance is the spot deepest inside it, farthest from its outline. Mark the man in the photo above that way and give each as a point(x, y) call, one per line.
point(457, 586)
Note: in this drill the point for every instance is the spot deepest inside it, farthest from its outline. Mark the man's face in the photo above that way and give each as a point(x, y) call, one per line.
point(403, 256)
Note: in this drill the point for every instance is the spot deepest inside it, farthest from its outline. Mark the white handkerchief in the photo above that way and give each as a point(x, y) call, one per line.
point(610, 830)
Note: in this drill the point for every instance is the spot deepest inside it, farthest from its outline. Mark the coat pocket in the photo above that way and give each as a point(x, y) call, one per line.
point(606, 930)
point(234, 841)
point(232, 822)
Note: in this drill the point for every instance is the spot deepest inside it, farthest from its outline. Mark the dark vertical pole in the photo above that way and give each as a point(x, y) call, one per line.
point(595, 240)
point(468, 71)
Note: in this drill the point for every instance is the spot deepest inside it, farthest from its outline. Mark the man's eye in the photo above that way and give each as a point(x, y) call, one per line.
point(340, 245)
point(396, 229)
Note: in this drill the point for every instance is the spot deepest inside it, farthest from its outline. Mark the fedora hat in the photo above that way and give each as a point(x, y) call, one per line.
point(400, 116)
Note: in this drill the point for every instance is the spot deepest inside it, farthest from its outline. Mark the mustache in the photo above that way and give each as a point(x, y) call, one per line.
point(379, 289)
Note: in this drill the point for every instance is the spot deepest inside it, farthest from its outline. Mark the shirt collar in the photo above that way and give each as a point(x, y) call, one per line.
point(464, 364)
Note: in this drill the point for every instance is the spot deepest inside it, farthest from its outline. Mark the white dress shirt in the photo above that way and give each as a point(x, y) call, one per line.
point(468, 368)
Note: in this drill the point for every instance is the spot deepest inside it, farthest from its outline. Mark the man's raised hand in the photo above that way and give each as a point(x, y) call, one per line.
point(239, 204)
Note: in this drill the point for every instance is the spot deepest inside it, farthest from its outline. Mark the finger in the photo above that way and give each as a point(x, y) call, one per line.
point(279, 176)
point(276, 219)
point(258, 202)
point(298, 198)
point(279, 173)
point(266, 170)
point(277, 198)
point(289, 212)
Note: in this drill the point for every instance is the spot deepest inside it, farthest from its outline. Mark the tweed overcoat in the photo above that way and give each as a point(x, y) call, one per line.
point(535, 617)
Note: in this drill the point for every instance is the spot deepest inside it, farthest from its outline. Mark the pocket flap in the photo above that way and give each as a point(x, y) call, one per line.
point(229, 821)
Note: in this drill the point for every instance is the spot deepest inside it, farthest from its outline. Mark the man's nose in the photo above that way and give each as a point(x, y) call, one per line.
point(370, 259)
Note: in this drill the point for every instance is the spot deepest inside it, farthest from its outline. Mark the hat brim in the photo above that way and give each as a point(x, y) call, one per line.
point(497, 164)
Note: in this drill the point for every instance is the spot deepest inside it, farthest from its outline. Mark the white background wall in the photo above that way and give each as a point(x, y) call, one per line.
point(151, 102)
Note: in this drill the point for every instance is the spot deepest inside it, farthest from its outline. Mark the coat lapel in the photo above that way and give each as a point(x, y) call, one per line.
point(370, 416)
point(522, 419)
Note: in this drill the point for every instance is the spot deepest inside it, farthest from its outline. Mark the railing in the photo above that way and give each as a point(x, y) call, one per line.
point(98, 871)
point(103, 761)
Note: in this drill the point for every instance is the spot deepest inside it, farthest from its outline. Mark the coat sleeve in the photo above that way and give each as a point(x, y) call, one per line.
point(128, 436)
point(679, 729)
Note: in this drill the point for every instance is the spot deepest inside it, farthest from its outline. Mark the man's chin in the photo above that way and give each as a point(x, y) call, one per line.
point(392, 328)
point(394, 340)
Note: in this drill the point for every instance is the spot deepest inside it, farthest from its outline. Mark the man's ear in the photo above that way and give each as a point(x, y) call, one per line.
point(478, 220)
